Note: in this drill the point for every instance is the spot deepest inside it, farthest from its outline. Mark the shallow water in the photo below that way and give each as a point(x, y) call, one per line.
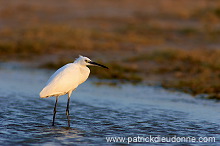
point(98, 112)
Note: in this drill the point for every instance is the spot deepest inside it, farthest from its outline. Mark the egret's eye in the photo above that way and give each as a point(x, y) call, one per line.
point(87, 61)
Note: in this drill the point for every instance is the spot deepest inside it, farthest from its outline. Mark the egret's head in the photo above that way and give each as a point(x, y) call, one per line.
point(86, 61)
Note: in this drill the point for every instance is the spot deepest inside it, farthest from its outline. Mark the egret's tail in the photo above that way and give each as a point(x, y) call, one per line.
point(43, 94)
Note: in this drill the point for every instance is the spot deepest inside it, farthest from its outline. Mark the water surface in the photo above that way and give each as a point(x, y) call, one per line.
point(98, 112)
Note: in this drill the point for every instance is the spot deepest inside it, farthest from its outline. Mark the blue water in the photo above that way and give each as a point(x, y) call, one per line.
point(98, 112)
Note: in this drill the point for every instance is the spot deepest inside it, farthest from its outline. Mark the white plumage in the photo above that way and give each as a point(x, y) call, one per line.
point(66, 79)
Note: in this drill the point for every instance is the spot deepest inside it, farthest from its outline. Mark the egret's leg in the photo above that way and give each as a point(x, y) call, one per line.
point(54, 110)
point(67, 110)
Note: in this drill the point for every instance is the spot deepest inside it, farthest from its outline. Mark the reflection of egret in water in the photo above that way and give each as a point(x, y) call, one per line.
point(66, 135)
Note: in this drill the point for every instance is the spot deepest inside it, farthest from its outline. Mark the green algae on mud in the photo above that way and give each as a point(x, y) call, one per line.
point(195, 71)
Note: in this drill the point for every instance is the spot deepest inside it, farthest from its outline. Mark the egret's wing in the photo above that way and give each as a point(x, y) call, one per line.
point(62, 81)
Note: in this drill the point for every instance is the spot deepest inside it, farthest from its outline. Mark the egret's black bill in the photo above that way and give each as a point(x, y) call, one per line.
point(94, 63)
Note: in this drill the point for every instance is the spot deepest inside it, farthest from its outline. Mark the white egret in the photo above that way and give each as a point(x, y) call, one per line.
point(66, 79)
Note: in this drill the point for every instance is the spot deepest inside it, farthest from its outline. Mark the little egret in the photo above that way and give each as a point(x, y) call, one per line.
point(66, 79)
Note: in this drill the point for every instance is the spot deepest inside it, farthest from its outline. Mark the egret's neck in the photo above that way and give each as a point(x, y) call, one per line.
point(84, 71)
point(84, 67)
